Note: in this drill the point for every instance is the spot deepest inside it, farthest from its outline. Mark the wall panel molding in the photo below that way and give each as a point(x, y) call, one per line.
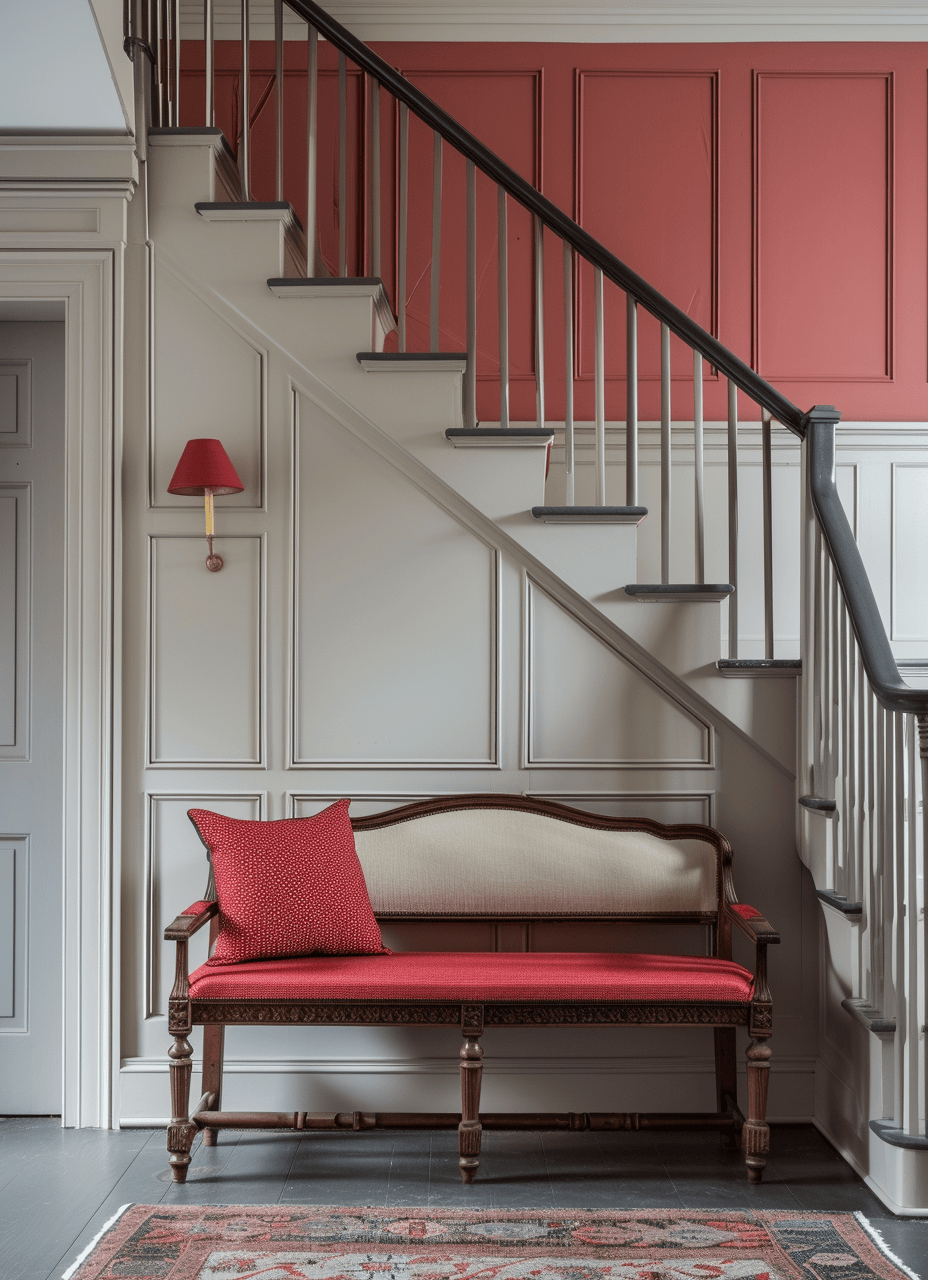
point(908, 530)
point(14, 934)
point(206, 660)
point(638, 254)
point(353, 583)
point(15, 402)
point(228, 384)
point(810, 176)
point(638, 686)
point(15, 620)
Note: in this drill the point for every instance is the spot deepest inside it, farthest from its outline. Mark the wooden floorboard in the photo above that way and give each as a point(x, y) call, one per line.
point(60, 1186)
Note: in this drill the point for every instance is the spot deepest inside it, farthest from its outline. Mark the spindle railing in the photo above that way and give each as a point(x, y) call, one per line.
point(864, 732)
point(384, 201)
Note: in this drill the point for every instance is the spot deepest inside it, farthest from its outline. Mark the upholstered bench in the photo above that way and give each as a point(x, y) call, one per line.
point(501, 859)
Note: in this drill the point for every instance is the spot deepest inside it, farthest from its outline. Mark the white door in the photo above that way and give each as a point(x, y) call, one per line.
point(32, 436)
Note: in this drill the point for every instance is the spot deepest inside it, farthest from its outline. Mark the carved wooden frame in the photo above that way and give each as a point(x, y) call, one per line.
point(756, 1014)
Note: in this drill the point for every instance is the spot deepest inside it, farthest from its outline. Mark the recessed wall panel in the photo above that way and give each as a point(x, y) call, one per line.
point(15, 401)
point(177, 873)
point(15, 589)
point(205, 696)
point(910, 538)
point(646, 188)
point(395, 628)
point(589, 707)
point(7, 928)
point(14, 952)
point(823, 235)
point(209, 381)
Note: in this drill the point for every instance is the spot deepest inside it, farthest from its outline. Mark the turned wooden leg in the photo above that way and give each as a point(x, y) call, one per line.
point(213, 1043)
point(470, 1130)
point(181, 1130)
point(726, 1078)
point(755, 1136)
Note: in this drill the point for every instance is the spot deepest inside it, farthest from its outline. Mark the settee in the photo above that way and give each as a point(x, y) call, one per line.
point(499, 859)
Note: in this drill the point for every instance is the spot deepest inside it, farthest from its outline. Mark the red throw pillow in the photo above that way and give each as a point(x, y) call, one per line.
point(293, 887)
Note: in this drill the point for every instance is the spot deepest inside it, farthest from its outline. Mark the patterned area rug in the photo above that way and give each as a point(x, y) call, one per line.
point(276, 1242)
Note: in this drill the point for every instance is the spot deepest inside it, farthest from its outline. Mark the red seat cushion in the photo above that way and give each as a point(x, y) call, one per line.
point(478, 976)
point(289, 887)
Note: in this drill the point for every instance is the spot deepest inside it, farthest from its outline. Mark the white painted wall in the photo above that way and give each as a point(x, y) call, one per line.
point(54, 71)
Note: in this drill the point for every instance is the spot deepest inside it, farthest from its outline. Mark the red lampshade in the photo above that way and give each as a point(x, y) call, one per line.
point(203, 465)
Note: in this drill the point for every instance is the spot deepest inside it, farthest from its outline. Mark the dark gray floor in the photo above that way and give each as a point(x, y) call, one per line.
point(58, 1186)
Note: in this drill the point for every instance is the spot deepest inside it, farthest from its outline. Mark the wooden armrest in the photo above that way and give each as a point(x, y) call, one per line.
point(750, 921)
point(186, 924)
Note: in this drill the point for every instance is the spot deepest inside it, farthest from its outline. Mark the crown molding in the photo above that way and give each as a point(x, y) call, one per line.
point(610, 21)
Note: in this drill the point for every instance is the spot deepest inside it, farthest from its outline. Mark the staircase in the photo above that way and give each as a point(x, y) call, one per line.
point(585, 566)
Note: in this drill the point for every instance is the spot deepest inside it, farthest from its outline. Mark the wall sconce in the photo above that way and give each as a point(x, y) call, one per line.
point(203, 471)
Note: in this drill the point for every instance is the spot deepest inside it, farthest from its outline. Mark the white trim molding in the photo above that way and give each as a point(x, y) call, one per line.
point(89, 283)
point(621, 21)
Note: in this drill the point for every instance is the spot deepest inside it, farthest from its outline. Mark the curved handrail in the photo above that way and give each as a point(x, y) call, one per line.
point(693, 334)
point(891, 690)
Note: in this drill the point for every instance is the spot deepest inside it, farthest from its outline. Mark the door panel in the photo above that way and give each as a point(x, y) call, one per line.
point(32, 365)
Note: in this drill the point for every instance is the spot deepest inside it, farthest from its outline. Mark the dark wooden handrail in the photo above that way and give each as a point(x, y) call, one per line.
point(693, 334)
point(891, 690)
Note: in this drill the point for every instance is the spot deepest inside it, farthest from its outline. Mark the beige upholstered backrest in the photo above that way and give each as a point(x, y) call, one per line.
point(504, 862)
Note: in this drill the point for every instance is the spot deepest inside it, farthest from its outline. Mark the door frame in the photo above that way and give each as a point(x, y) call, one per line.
point(89, 283)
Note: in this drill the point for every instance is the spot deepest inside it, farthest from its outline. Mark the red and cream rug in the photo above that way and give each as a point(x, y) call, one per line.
point(277, 1242)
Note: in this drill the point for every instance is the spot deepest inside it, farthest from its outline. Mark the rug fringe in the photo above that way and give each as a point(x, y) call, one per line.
point(877, 1238)
point(66, 1275)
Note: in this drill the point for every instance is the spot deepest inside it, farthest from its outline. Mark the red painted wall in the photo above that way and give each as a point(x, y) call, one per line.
point(776, 192)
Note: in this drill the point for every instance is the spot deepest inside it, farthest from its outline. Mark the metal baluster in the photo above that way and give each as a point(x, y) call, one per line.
point(921, 725)
point(818, 710)
point(435, 278)
point(569, 373)
point(733, 518)
point(899, 968)
point(312, 118)
point(470, 383)
point(158, 40)
point(835, 726)
point(767, 465)
point(599, 373)
point(698, 469)
point(887, 853)
point(539, 321)
point(279, 90)
point(875, 914)
point(404, 225)
point(209, 114)
point(631, 401)
point(175, 18)
point(343, 165)
point(244, 155)
point(844, 789)
point(502, 253)
point(860, 724)
point(884, 863)
point(913, 1021)
point(375, 178)
point(665, 454)
point(841, 727)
